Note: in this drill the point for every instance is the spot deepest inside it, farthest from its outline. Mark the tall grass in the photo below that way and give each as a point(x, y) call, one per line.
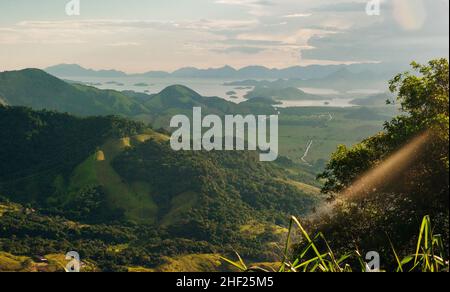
point(317, 255)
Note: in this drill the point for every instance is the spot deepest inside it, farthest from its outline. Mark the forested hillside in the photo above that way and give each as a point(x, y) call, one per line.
point(390, 181)
point(389, 194)
point(110, 179)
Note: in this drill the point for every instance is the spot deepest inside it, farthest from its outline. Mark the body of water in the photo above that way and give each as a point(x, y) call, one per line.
point(335, 102)
point(208, 87)
point(205, 87)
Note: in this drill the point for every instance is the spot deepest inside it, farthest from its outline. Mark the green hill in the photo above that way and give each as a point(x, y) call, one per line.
point(54, 159)
point(36, 89)
point(178, 99)
point(44, 147)
point(109, 178)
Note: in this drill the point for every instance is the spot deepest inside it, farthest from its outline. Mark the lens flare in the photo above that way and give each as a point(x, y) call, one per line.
point(409, 14)
point(384, 173)
point(389, 170)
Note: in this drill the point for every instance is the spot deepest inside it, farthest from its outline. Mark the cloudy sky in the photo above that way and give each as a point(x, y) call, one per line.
point(143, 35)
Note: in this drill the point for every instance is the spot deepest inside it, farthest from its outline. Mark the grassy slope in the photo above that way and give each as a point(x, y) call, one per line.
point(97, 170)
point(191, 263)
point(56, 263)
point(8, 208)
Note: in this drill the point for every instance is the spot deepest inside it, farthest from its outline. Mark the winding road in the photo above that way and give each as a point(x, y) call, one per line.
point(307, 152)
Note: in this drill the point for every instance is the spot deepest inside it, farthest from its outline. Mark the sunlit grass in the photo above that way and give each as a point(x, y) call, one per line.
point(317, 255)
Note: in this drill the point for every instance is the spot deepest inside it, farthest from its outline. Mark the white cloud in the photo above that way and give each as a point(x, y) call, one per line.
point(298, 15)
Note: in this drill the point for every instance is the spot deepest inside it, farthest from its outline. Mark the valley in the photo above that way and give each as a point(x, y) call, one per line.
point(128, 202)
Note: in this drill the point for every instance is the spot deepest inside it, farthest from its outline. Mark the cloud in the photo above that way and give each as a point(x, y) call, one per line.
point(274, 33)
point(78, 31)
point(255, 7)
point(297, 15)
point(405, 31)
point(343, 7)
point(124, 44)
point(240, 50)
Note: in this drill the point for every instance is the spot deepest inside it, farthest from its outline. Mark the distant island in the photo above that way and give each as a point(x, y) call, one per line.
point(115, 83)
point(141, 84)
point(342, 80)
point(289, 93)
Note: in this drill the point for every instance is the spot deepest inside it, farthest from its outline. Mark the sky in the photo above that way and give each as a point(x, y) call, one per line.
point(143, 35)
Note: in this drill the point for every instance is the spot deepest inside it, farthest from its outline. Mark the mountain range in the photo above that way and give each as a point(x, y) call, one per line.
point(226, 72)
point(343, 79)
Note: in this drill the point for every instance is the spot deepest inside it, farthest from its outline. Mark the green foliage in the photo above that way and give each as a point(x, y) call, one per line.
point(385, 219)
point(430, 255)
point(316, 255)
point(91, 205)
point(74, 204)
point(220, 184)
point(40, 148)
point(424, 102)
point(404, 196)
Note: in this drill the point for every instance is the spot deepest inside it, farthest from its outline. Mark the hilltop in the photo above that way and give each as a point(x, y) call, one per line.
point(39, 90)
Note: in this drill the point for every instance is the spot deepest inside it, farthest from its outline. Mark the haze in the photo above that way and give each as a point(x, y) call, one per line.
point(139, 35)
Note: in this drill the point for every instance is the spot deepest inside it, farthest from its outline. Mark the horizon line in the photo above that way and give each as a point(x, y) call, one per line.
point(205, 68)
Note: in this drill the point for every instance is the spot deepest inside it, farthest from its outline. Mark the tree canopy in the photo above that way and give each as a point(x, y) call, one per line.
point(411, 187)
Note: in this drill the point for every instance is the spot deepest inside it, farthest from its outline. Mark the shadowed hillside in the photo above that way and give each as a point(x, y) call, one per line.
point(107, 171)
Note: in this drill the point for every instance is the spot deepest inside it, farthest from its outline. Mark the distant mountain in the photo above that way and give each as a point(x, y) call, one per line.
point(152, 74)
point(343, 79)
point(227, 72)
point(224, 72)
point(39, 90)
point(73, 70)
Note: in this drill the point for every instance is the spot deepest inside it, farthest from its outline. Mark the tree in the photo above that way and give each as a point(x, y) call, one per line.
point(414, 186)
point(424, 101)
